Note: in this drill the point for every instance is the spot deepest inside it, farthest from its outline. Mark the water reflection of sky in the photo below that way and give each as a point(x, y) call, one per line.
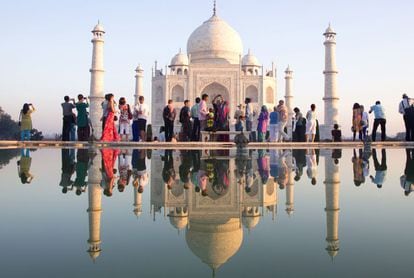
point(290, 232)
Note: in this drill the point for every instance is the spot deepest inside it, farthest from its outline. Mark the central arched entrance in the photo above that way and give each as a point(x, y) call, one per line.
point(215, 89)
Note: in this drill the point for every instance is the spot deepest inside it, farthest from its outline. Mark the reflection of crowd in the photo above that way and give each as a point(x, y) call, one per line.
point(210, 176)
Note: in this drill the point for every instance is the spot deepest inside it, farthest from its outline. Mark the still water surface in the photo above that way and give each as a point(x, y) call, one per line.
point(136, 213)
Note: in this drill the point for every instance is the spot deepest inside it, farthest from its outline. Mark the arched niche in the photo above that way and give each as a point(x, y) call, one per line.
point(215, 89)
point(270, 95)
point(159, 98)
point(177, 93)
point(253, 93)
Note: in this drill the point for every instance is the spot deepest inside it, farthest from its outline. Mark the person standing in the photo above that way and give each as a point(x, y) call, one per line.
point(25, 121)
point(262, 124)
point(364, 122)
point(142, 111)
point(379, 119)
point(283, 119)
point(403, 109)
point(110, 134)
point(249, 114)
point(82, 119)
point(169, 115)
point(125, 116)
point(311, 124)
point(67, 108)
point(104, 106)
point(238, 116)
point(195, 136)
point(299, 127)
point(356, 121)
point(274, 125)
point(185, 120)
point(203, 112)
point(336, 134)
point(380, 169)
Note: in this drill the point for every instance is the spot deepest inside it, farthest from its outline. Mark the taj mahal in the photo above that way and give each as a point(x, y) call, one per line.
point(215, 63)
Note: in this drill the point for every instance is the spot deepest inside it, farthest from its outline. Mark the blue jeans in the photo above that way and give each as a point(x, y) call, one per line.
point(25, 135)
point(72, 133)
point(135, 131)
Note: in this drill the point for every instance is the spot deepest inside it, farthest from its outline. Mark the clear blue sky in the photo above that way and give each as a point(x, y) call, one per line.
point(46, 51)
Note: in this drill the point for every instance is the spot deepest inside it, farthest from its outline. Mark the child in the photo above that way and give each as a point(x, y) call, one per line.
point(210, 120)
point(240, 123)
point(336, 134)
point(124, 118)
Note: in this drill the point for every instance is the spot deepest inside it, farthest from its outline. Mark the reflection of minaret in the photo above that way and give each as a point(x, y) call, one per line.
point(137, 203)
point(290, 189)
point(332, 183)
point(95, 207)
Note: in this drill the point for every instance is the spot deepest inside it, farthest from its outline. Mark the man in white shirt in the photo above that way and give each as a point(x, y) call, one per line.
point(403, 107)
point(203, 112)
point(379, 115)
point(142, 111)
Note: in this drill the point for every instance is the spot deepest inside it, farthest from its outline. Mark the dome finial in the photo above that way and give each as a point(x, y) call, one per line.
point(214, 7)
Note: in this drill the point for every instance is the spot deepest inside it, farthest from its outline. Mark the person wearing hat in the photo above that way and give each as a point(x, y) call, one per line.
point(404, 108)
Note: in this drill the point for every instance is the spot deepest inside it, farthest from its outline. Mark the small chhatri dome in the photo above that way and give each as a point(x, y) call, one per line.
point(215, 41)
point(250, 60)
point(179, 59)
point(98, 28)
point(329, 30)
point(139, 68)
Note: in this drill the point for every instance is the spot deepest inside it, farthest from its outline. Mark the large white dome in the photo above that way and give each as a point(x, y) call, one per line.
point(215, 41)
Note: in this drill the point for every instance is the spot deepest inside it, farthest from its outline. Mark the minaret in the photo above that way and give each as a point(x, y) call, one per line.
point(332, 183)
point(139, 84)
point(97, 80)
point(289, 98)
point(290, 186)
point(330, 98)
point(95, 206)
point(137, 203)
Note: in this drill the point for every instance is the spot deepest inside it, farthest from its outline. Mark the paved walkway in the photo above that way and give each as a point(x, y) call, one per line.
point(200, 145)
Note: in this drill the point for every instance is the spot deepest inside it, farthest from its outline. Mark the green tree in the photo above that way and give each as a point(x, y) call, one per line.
point(9, 129)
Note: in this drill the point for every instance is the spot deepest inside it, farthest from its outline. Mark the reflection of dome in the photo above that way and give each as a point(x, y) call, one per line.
point(215, 41)
point(214, 243)
point(179, 59)
point(179, 222)
point(250, 60)
point(94, 251)
point(250, 222)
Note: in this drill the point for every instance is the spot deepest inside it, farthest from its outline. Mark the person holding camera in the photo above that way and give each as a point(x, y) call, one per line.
point(25, 121)
point(82, 119)
point(68, 117)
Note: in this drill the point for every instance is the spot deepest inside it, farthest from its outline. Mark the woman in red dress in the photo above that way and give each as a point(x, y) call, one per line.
point(110, 134)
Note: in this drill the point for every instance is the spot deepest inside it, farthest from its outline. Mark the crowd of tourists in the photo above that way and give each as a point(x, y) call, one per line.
point(120, 121)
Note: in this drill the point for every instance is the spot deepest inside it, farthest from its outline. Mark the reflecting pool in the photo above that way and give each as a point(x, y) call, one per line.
point(170, 213)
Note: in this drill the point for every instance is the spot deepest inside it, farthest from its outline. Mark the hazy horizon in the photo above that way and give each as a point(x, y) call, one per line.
point(47, 51)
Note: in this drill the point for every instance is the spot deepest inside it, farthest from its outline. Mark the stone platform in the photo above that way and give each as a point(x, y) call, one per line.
point(200, 145)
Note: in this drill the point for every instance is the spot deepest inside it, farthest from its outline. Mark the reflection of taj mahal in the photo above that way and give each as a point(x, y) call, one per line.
point(213, 222)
